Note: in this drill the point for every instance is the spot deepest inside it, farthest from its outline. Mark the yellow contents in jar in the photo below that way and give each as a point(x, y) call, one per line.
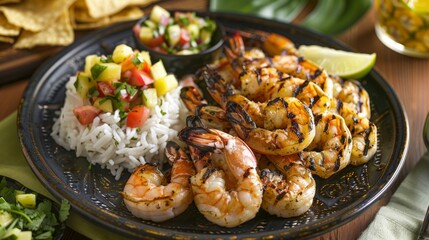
point(403, 25)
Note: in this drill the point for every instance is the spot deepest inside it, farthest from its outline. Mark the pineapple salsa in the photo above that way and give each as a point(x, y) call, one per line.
point(181, 34)
point(126, 81)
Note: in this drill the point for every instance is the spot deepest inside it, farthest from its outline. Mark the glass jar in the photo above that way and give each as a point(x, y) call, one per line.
point(402, 28)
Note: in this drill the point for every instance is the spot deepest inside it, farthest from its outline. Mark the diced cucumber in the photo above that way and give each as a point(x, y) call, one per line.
point(83, 84)
point(150, 98)
point(157, 13)
point(11, 234)
point(206, 36)
point(146, 34)
point(165, 84)
point(6, 218)
point(173, 32)
point(110, 72)
point(158, 70)
point(90, 60)
point(121, 53)
point(193, 30)
point(146, 57)
point(27, 200)
point(104, 105)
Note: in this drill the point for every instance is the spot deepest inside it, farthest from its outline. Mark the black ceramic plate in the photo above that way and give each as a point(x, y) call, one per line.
point(95, 194)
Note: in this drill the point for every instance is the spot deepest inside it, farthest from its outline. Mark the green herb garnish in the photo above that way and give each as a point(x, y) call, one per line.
point(96, 70)
point(41, 220)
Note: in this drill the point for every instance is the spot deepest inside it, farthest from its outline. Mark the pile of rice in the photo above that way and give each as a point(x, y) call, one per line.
point(116, 147)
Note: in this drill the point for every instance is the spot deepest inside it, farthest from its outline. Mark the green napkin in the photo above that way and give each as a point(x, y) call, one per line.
point(402, 217)
point(14, 165)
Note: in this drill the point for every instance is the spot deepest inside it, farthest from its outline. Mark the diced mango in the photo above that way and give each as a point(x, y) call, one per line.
point(158, 70)
point(27, 200)
point(104, 105)
point(165, 84)
point(90, 60)
point(146, 57)
point(150, 97)
point(111, 72)
point(145, 34)
point(121, 53)
point(83, 84)
point(24, 235)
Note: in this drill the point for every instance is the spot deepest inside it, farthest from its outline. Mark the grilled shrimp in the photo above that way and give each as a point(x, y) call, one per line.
point(331, 148)
point(212, 116)
point(356, 97)
point(289, 189)
point(364, 135)
point(301, 68)
point(265, 84)
point(148, 196)
point(353, 105)
point(307, 92)
point(288, 126)
point(222, 201)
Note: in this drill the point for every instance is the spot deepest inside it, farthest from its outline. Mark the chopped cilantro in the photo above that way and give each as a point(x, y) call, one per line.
point(210, 25)
point(96, 70)
point(184, 20)
point(41, 221)
point(106, 59)
point(137, 59)
point(93, 92)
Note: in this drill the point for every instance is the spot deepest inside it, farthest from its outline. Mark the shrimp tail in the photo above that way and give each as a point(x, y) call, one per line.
point(218, 88)
point(200, 138)
point(240, 119)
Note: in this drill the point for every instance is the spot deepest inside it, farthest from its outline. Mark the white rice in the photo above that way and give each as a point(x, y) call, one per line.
point(116, 147)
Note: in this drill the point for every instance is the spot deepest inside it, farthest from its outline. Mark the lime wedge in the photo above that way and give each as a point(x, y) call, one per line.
point(420, 6)
point(337, 62)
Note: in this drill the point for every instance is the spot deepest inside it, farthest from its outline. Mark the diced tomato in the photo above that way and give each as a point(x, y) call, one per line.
point(105, 88)
point(185, 37)
point(156, 41)
point(136, 29)
point(86, 114)
point(128, 64)
point(160, 49)
point(137, 116)
point(139, 78)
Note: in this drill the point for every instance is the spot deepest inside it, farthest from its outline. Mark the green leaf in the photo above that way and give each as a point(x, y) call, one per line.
point(327, 16)
point(64, 210)
point(281, 10)
point(96, 70)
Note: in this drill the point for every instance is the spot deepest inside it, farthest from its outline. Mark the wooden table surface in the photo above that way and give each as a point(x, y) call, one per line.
point(408, 77)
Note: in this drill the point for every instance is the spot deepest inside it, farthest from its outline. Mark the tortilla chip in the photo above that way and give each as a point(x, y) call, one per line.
point(7, 29)
point(127, 14)
point(104, 8)
point(6, 39)
point(60, 32)
point(82, 15)
point(9, 1)
point(35, 15)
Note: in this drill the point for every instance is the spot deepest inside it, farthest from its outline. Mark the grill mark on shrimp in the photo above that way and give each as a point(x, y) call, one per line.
point(208, 173)
point(300, 88)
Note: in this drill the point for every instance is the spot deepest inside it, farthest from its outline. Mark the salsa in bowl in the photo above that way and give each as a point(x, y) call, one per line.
point(184, 41)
